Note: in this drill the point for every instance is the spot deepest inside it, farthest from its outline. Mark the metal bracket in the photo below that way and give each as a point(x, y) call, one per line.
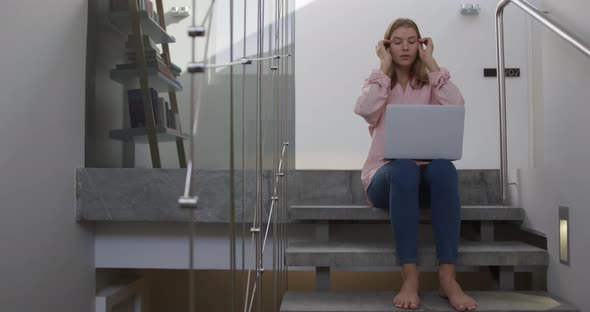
point(196, 31)
point(196, 68)
point(188, 202)
point(246, 61)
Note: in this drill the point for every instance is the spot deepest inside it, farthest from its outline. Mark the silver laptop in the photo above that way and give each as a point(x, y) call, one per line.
point(424, 131)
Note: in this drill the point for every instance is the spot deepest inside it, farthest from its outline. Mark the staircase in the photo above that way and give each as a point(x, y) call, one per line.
point(480, 249)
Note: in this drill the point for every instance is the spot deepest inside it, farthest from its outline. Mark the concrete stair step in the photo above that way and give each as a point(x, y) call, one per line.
point(334, 253)
point(343, 187)
point(488, 301)
point(360, 212)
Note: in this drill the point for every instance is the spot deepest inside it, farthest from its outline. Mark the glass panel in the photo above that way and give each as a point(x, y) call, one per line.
point(263, 100)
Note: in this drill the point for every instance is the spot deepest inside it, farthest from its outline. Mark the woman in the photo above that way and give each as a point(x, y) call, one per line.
point(409, 75)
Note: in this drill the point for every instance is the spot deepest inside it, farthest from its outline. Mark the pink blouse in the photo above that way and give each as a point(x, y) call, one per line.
point(377, 93)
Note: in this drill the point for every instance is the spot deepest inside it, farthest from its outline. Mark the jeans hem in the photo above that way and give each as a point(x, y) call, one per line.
point(408, 260)
point(447, 261)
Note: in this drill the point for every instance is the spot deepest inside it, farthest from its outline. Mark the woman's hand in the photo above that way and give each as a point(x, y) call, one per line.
point(384, 56)
point(426, 54)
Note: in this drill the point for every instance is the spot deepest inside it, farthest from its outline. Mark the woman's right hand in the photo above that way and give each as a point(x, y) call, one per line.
point(384, 56)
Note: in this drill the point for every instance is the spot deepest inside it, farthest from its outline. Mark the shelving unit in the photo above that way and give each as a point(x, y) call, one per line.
point(139, 135)
point(139, 23)
point(148, 26)
point(156, 80)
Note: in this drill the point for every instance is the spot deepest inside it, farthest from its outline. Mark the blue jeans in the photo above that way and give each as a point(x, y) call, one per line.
point(398, 186)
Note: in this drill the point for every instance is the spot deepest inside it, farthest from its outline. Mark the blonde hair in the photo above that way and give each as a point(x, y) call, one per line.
point(419, 70)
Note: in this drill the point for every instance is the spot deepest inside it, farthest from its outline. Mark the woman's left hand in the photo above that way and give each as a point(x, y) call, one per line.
point(426, 54)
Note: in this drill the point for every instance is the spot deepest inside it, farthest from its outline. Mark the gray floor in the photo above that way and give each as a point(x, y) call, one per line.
point(488, 301)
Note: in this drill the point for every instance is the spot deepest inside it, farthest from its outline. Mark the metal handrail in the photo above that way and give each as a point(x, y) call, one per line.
point(553, 26)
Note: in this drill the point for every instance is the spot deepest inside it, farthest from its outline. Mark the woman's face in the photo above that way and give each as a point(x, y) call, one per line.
point(404, 46)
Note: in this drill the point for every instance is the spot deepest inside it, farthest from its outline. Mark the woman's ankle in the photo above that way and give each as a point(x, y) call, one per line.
point(447, 271)
point(410, 270)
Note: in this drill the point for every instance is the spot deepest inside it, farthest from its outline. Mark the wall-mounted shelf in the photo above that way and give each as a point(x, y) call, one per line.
point(148, 26)
point(156, 80)
point(139, 135)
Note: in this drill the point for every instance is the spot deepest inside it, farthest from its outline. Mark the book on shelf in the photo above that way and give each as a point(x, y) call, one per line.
point(175, 69)
point(152, 65)
point(136, 109)
point(155, 62)
point(132, 55)
point(151, 61)
point(157, 76)
point(163, 115)
point(153, 56)
point(168, 114)
point(170, 117)
point(151, 53)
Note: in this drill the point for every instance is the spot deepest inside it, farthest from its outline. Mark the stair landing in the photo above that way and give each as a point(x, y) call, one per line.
point(488, 301)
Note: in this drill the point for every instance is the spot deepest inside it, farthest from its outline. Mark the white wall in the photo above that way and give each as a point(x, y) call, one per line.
point(46, 258)
point(561, 175)
point(333, 59)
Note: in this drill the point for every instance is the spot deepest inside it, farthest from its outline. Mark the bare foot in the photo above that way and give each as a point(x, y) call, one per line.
point(407, 298)
point(451, 290)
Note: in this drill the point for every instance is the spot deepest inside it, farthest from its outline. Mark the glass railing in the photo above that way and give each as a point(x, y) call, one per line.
point(241, 119)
